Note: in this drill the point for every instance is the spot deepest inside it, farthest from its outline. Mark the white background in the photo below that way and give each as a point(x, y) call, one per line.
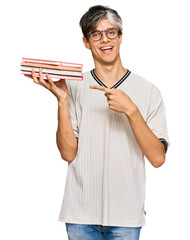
point(32, 174)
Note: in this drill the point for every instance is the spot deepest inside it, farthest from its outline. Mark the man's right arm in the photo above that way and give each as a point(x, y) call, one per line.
point(65, 137)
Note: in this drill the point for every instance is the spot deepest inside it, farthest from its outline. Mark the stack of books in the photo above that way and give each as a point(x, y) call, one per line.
point(55, 69)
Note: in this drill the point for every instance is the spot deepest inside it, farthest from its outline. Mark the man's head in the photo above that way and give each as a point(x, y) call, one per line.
point(105, 43)
point(91, 18)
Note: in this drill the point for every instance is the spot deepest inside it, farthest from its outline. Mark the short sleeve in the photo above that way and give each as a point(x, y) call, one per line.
point(156, 117)
point(72, 109)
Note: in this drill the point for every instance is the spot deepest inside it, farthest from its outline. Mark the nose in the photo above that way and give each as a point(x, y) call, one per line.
point(104, 37)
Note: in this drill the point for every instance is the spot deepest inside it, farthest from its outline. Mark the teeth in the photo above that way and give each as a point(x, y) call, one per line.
point(106, 48)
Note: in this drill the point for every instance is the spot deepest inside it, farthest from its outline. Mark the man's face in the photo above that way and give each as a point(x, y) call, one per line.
point(100, 54)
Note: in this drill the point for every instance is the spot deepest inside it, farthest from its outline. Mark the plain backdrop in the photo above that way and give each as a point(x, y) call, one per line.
point(32, 174)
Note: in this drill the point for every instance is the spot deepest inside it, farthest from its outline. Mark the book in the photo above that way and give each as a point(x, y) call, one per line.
point(59, 67)
point(52, 71)
point(56, 76)
point(55, 69)
point(59, 63)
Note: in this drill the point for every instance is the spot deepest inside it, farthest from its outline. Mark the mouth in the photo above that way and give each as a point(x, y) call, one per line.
point(106, 49)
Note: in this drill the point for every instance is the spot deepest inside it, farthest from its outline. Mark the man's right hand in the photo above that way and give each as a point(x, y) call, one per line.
point(59, 88)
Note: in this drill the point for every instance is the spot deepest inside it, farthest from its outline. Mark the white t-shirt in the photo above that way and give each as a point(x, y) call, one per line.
point(105, 183)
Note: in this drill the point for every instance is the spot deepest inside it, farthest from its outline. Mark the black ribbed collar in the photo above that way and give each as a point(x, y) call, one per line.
point(116, 85)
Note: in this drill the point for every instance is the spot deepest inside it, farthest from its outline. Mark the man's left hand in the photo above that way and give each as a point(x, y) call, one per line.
point(118, 100)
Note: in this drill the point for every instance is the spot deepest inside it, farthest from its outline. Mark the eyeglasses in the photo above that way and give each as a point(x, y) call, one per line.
point(111, 33)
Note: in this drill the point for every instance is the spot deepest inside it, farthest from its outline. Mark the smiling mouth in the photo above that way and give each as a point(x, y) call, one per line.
point(106, 49)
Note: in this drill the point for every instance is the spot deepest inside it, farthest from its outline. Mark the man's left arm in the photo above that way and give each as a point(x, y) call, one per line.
point(151, 146)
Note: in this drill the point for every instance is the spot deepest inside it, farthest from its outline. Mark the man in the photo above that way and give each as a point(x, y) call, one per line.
point(106, 125)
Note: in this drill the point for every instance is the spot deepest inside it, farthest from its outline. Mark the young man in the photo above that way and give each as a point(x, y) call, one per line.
point(106, 125)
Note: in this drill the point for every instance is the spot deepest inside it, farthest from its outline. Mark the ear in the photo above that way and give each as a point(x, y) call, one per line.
point(86, 43)
point(120, 37)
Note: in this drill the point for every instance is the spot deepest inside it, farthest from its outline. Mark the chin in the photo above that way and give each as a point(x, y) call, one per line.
point(108, 61)
point(113, 58)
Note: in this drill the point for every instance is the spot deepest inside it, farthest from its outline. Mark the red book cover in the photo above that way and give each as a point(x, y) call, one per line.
point(44, 65)
point(52, 62)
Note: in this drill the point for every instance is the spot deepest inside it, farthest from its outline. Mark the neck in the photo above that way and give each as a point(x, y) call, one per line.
point(111, 73)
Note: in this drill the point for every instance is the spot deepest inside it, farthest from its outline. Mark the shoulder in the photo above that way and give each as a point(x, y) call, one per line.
point(140, 80)
point(145, 84)
point(87, 74)
point(77, 87)
point(73, 83)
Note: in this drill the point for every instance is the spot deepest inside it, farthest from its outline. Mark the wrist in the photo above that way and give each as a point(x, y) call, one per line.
point(62, 102)
point(132, 112)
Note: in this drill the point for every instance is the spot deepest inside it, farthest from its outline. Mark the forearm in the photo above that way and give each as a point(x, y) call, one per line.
point(150, 145)
point(65, 137)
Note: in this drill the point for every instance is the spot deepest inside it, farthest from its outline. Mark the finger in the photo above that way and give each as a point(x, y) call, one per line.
point(40, 76)
point(34, 76)
point(107, 94)
point(50, 80)
point(41, 79)
point(101, 88)
point(27, 75)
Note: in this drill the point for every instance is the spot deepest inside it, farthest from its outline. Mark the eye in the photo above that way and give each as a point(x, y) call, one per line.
point(95, 34)
point(112, 31)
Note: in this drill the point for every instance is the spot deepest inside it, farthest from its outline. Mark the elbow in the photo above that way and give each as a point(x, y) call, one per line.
point(69, 157)
point(68, 154)
point(159, 162)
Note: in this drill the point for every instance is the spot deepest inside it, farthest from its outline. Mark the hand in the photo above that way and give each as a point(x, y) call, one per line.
point(118, 100)
point(59, 88)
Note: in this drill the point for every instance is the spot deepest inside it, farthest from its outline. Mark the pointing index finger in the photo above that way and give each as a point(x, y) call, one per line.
point(101, 88)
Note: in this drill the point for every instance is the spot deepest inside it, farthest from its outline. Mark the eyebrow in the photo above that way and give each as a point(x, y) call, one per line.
point(103, 30)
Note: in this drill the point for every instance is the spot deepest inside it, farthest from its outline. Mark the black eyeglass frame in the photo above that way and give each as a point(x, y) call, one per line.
point(118, 33)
